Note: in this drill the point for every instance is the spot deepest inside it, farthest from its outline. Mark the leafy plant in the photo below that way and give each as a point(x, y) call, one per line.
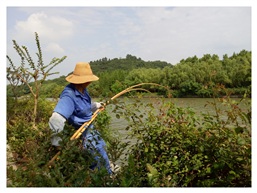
point(175, 148)
point(38, 71)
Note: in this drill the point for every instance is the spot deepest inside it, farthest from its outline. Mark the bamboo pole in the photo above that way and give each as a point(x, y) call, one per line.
point(54, 158)
point(86, 124)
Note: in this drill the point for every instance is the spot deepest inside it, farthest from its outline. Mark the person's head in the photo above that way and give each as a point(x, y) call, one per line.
point(82, 75)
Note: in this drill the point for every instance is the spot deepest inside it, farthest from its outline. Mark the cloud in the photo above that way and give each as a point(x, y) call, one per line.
point(172, 34)
point(151, 33)
point(54, 48)
point(49, 27)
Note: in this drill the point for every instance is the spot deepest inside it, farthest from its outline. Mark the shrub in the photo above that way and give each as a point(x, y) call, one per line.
point(175, 148)
point(172, 147)
point(32, 151)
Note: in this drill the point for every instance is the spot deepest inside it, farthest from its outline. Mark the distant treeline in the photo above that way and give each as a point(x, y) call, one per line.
point(191, 77)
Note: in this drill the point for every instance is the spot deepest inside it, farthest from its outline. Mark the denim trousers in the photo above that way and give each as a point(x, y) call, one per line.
point(95, 145)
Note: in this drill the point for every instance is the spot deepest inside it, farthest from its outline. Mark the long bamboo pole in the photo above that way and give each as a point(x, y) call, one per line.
point(86, 124)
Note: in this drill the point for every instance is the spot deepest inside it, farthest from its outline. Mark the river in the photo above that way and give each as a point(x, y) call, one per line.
point(198, 105)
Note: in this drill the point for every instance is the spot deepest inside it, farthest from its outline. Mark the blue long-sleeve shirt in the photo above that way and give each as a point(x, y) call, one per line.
point(74, 106)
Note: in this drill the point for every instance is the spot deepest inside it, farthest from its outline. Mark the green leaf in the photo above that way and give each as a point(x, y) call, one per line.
point(241, 141)
point(208, 170)
point(232, 172)
point(152, 169)
point(239, 159)
point(168, 163)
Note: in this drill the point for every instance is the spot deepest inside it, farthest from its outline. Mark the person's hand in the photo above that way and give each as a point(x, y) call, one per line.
point(102, 105)
point(97, 105)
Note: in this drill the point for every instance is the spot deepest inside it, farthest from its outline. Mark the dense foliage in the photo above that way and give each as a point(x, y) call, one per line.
point(189, 78)
point(127, 64)
point(178, 149)
point(172, 147)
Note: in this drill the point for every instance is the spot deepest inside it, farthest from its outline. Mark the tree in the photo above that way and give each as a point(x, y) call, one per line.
point(37, 71)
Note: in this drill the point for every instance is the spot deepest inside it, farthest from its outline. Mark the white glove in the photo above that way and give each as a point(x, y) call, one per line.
point(56, 123)
point(95, 106)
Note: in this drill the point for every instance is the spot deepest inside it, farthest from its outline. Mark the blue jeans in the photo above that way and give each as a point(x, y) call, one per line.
point(95, 145)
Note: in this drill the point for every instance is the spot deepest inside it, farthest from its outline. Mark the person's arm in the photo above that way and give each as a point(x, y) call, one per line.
point(62, 112)
point(56, 123)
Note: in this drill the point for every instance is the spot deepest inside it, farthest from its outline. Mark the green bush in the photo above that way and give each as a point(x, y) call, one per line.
point(173, 147)
point(32, 151)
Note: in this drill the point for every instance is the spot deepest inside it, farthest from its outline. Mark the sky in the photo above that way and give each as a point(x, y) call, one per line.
point(166, 33)
point(152, 30)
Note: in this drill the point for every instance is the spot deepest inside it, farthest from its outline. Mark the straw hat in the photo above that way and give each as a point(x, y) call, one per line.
point(82, 74)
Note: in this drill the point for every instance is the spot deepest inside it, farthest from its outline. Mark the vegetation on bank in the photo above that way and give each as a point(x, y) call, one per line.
point(174, 146)
point(191, 77)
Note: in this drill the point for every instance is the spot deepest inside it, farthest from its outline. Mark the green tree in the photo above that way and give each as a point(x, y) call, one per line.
point(38, 71)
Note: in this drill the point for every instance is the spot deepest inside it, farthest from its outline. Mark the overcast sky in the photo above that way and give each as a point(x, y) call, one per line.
point(167, 33)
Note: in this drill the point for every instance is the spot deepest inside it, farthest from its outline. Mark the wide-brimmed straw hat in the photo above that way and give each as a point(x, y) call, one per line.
point(82, 74)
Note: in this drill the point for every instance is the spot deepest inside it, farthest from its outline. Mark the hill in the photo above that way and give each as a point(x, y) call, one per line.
point(128, 63)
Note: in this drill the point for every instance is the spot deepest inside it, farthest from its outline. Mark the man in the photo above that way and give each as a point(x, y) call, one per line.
point(75, 107)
